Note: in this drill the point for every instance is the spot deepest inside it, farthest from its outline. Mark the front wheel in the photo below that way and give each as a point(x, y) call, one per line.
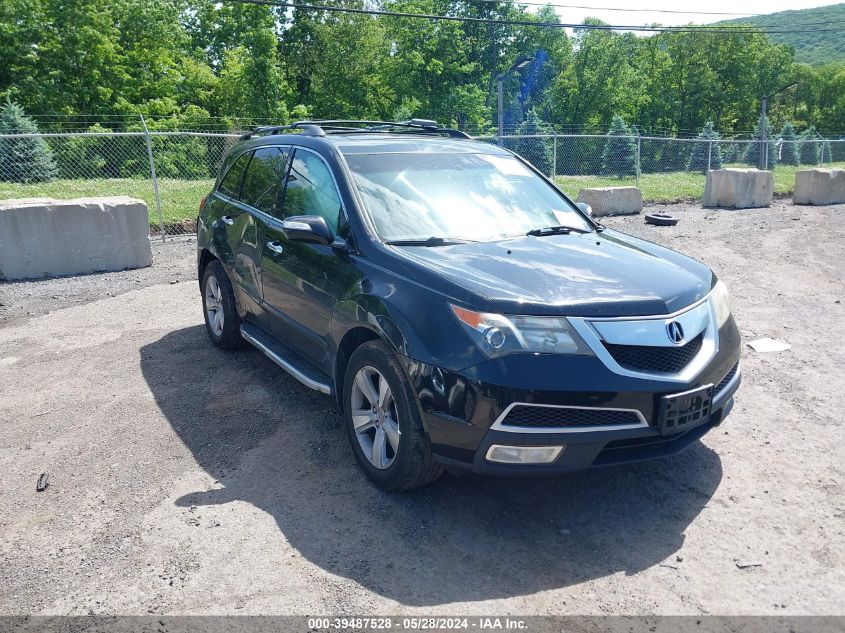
point(383, 422)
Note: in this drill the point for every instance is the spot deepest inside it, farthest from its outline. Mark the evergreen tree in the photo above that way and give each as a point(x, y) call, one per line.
point(732, 153)
point(809, 148)
point(827, 152)
point(620, 149)
point(537, 151)
point(706, 154)
point(763, 137)
point(789, 148)
point(23, 159)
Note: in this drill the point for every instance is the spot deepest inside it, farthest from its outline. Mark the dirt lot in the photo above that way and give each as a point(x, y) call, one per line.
point(188, 480)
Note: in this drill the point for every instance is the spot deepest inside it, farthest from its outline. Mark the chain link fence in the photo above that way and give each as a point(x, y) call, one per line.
point(172, 171)
point(665, 169)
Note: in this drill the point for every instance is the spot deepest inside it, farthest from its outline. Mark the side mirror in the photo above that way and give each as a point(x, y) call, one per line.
point(307, 228)
point(586, 208)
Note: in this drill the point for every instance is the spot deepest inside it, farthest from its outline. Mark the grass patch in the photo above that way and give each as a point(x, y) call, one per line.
point(180, 199)
point(674, 186)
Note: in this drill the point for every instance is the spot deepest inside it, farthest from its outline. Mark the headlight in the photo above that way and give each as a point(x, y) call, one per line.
point(721, 302)
point(497, 335)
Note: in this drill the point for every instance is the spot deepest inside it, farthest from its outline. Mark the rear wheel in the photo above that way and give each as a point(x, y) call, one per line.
point(383, 422)
point(219, 308)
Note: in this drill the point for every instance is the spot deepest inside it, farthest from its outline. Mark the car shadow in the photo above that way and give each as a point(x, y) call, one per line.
point(273, 443)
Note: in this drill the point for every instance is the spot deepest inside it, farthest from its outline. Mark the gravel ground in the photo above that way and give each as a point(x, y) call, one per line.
point(186, 480)
point(174, 262)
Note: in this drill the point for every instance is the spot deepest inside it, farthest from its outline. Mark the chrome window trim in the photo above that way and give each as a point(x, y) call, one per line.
point(499, 425)
point(709, 346)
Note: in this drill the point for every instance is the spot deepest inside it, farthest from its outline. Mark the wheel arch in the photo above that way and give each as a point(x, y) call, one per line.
point(352, 340)
point(365, 318)
point(204, 259)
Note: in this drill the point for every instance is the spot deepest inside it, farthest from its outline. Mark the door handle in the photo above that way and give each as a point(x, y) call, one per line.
point(227, 219)
point(276, 247)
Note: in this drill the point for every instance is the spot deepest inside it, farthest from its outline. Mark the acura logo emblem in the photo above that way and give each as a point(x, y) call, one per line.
point(675, 331)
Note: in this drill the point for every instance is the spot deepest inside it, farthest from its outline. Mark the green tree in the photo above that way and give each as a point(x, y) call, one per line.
point(26, 159)
point(789, 148)
point(347, 79)
point(763, 137)
point(620, 149)
point(826, 152)
point(466, 108)
point(732, 153)
point(536, 150)
point(706, 151)
point(809, 147)
point(601, 80)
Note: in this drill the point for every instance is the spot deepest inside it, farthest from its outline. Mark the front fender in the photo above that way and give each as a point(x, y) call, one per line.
point(419, 326)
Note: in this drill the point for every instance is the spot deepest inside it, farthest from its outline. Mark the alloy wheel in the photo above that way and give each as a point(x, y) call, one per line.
point(374, 417)
point(214, 305)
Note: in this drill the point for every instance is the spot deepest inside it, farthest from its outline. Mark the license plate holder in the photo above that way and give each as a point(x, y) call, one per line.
point(681, 411)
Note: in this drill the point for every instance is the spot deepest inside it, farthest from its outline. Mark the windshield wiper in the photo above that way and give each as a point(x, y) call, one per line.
point(556, 230)
point(431, 241)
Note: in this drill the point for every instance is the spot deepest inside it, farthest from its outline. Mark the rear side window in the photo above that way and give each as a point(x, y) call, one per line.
point(231, 183)
point(262, 179)
point(311, 190)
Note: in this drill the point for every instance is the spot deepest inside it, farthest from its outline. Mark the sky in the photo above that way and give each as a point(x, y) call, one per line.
point(672, 19)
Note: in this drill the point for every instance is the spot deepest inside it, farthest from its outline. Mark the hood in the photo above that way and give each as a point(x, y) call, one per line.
point(592, 274)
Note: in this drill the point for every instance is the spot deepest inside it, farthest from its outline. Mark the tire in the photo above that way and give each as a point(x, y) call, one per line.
point(411, 464)
point(661, 219)
point(217, 292)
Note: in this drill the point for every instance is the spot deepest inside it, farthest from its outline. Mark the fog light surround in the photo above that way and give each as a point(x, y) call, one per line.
point(523, 454)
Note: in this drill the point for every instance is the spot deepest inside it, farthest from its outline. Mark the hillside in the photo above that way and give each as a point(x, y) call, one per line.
point(815, 46)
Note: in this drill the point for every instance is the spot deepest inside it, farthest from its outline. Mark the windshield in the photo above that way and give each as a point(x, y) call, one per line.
point(477, 197)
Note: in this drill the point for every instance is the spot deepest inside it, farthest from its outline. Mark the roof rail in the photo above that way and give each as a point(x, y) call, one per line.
point(307, 128)
point(424, 126)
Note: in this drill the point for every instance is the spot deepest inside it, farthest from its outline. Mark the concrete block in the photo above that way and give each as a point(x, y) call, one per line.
point(739, 188)
point(819, 186)
point(42, 237)
point(612, 200)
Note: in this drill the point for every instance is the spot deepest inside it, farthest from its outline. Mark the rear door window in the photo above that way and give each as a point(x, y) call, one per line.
point(231, 183)
point(263, 177)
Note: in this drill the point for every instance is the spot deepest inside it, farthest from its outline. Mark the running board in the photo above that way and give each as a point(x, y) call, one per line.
point(286, 358)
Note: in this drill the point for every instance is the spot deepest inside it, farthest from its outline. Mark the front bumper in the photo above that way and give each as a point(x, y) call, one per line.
point(599, 448)
point(463, 411)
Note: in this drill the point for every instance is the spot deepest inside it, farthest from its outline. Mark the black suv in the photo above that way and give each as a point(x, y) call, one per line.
point(463, 311)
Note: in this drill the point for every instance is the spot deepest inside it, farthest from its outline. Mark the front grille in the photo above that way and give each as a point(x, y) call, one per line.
point(724, 381)
point(647, 358)
point(539, 416)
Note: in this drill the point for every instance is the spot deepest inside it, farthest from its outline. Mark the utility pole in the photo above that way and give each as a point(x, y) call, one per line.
point(764, 148)
point(521, 63)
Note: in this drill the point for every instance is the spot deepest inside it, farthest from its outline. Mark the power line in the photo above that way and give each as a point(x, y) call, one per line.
point(743, 22)
point(627, 9)
point(530, 23)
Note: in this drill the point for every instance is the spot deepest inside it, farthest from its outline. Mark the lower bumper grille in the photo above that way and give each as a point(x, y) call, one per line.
point(651, 359)
point(724, 381)
point(539, 416)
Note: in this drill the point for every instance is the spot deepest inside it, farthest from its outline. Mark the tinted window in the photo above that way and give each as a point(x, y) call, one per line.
point(311, 190)
point(231, 183)
point(262, 178)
